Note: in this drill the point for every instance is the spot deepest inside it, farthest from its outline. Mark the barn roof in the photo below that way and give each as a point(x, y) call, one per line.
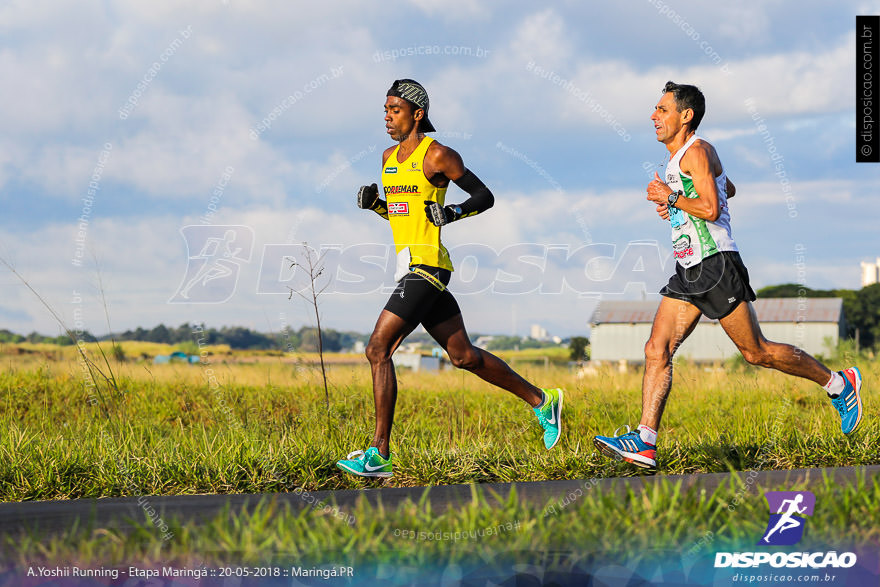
point(768, 310)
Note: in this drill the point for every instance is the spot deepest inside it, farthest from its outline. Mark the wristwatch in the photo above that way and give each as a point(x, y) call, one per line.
point(672, 198)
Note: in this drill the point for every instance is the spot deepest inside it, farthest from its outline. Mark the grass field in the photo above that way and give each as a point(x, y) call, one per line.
point(224, 427)
point(660, 526)
point(259, 424)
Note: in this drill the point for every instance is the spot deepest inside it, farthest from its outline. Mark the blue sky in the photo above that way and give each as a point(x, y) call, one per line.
point(534, 98)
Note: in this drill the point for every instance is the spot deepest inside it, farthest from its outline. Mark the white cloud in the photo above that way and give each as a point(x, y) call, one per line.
point(787, 83)
point(72, 65)
point(542, 37)
point(715, 135)
point(741, 22)
point(453, 10)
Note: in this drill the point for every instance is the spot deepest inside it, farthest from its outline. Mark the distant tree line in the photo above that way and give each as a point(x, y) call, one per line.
point(236, 337)
point(305, 339)
point(35, 337)
point(861, 308)
point(503, 343)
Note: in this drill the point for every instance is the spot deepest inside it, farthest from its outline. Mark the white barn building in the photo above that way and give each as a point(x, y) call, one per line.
point(620, 329)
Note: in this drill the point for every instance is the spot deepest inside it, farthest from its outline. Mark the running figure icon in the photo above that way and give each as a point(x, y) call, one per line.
point(215, 256)
point(787, 521)
point(213, 253)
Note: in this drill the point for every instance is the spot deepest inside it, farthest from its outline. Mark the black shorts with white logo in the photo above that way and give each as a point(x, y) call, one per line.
point(418, 301)
point(716, 285)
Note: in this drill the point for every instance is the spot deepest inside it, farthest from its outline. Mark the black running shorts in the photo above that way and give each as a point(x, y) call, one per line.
point(716, 285)
point(418, 301)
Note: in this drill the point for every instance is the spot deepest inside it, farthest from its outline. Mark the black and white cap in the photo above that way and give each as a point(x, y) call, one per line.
point(414, 93)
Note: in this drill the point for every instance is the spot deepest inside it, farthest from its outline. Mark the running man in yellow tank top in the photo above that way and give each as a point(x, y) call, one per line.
point(415, 175)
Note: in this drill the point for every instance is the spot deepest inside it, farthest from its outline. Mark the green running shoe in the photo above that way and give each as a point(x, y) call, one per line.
point(550, 417)
point(366, 464)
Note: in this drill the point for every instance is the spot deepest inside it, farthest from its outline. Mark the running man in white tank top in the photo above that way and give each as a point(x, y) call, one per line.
point(695, 238)
point(710, 279)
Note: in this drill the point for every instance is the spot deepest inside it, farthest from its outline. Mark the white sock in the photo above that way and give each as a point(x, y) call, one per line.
point(835, 385)
point(648, 435)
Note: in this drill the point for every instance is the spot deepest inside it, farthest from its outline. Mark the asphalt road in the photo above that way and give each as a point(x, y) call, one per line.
point(125, 512)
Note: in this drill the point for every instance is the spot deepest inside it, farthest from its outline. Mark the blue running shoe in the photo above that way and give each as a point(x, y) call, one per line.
point(849, 402)
point(550, 417)
point(628, 447)
point(366, 464)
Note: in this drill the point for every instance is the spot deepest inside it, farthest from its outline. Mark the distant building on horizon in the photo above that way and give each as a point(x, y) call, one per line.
point(538, 332)
point(620, 329)
point(484, 340)
point(870, 273)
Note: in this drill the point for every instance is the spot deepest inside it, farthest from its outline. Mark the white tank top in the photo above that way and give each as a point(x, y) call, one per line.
point(694, 239)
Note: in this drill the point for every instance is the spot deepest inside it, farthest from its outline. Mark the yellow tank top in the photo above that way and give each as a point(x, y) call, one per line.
point(406, 190)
